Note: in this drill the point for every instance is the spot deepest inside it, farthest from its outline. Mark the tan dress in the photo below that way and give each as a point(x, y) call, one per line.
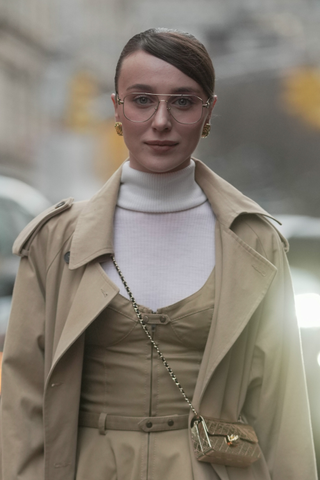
point(123, 377)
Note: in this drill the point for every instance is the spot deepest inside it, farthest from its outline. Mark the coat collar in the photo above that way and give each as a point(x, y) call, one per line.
point(93, 236)
point(226, 201)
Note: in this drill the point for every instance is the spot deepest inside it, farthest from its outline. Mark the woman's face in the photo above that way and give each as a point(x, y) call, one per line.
point(160, 144)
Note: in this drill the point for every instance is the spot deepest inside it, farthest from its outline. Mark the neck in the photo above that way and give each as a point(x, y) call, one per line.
point(159, 193)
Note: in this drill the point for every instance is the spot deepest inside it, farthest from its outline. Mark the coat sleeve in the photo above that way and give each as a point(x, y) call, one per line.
point(23, 367)
point(23, 379)
point(277, 401)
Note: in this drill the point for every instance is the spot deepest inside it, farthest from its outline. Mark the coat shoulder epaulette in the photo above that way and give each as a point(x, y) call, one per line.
point(283, 239)
point(24, 239)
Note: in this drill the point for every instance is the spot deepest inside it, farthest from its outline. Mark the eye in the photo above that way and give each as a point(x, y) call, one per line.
point(182, 102)
point(143, 100)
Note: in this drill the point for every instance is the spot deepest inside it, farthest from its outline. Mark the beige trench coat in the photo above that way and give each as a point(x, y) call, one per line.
point(251, 364)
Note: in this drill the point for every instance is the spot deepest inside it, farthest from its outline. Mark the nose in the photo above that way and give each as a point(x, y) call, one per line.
point(162, 118)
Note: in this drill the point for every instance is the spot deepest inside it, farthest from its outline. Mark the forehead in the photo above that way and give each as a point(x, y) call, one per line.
point(141, 71)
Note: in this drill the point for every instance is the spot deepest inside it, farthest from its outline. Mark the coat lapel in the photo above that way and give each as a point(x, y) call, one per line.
point(94, 293)
point(243, 278)
point(92, 238)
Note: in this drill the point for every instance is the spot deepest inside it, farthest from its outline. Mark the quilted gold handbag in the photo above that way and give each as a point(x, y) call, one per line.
point(217, 441)
point(227, 443)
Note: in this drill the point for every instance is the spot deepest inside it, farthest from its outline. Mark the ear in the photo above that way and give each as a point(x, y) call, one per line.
point(214, 101)
point(115, 106)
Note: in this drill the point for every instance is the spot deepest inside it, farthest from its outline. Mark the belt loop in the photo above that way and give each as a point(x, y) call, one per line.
point(102, 424)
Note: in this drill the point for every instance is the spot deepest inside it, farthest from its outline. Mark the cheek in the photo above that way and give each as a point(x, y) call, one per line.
point(132, 132)
point(193, 135)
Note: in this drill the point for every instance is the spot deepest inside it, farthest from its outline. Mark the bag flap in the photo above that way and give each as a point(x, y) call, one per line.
point(224, 429)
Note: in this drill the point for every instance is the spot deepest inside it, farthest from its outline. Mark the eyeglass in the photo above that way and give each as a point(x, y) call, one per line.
point(140, 107)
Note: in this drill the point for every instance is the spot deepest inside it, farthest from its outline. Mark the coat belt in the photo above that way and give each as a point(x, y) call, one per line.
point(104, 422)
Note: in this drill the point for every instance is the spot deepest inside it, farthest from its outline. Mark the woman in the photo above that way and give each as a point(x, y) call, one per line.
point(84, 396)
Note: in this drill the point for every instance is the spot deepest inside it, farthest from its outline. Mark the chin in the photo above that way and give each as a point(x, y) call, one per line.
point(159, 165)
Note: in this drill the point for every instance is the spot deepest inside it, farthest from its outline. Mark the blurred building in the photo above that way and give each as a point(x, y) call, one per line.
point(55, 71)
point(26, 29)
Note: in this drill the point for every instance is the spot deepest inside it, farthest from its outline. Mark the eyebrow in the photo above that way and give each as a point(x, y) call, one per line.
point(147, 88)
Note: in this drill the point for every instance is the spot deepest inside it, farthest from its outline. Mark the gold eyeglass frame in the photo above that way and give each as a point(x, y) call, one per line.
point(204, 105)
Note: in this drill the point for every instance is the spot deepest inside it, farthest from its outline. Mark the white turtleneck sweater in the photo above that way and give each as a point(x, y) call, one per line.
point(163, 236)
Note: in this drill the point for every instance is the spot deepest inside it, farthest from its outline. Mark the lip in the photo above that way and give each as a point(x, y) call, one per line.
point(161, 147)
point(161, 143)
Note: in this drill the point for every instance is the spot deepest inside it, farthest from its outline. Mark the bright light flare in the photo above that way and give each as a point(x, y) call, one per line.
point(318, 359)
point(308, 310)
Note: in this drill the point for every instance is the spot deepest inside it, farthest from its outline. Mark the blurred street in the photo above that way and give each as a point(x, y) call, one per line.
point(57, 63)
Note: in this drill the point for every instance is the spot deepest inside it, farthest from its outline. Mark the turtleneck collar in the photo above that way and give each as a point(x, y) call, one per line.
point(159, 192)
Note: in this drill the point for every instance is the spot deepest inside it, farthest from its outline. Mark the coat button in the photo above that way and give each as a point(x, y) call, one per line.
point(162, 319)
point(60, 204)
point(149, 424)
point(170, 423)
point(146, 318)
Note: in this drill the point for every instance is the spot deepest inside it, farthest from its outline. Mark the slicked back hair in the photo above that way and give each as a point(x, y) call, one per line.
point(180, 49)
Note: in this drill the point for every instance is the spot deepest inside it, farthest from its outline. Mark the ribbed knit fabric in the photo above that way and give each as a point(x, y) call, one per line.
point(159, 193)
point(163, 236)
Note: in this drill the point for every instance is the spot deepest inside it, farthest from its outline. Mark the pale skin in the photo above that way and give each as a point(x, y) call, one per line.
point(161, 144)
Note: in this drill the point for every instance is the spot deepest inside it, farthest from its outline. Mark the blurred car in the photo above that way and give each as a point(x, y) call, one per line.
point(19, 203)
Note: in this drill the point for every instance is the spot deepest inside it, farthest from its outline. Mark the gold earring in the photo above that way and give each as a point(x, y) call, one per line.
point(118, 127)
point(206, 130)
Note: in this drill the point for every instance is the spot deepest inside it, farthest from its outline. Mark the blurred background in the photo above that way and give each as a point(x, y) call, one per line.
point(57, 62)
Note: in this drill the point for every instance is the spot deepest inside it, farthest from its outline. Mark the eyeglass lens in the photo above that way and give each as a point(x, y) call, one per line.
point(140, 107)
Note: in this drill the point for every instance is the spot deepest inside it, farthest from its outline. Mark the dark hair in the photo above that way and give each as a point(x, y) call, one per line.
point(180, 49)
